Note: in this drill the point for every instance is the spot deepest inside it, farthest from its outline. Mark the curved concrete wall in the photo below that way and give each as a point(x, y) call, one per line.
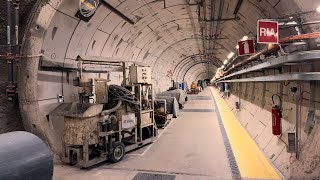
point(166, 37)
point(255, 116)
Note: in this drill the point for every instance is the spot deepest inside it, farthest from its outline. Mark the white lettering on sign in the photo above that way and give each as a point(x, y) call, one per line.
point(267, 32)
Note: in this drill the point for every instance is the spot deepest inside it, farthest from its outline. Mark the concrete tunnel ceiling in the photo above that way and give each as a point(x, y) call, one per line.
point(166, 35)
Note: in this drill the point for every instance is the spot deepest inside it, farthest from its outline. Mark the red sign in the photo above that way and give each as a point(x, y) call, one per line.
point(246, 47)
point(268, 32)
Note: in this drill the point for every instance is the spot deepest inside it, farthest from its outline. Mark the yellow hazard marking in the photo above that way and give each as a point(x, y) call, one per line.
point(251, 161)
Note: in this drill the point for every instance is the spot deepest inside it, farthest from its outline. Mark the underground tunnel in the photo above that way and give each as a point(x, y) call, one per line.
point(160, 89)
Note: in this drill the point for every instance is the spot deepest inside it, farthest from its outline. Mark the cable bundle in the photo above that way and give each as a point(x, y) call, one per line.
point(117, 93)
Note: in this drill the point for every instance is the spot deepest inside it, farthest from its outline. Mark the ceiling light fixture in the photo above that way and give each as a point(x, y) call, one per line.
point(291, 23)
point(318, 8)
point(237, 46)
point(88, 7)
point(245, 38)
point(225, 61)
point(230, 55)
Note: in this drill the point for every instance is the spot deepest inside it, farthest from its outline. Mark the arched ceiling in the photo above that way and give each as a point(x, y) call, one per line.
point(176, 38)
point(169, 35)
point(181, 40)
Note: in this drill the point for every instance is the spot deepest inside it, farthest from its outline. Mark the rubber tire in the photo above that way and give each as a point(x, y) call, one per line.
point(146, 133)
point(116, 145)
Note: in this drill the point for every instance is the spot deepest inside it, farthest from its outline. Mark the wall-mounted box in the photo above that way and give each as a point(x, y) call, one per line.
point(291, 148)
point(140, 74)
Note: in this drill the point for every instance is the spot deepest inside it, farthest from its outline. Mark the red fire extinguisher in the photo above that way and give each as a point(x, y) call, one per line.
point(276, 117)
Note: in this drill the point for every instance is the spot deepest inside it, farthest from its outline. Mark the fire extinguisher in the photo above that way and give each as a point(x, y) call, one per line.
point(276, 117)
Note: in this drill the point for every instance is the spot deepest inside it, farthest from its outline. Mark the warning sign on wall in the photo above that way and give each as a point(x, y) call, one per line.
point(267, 32)
point(246, 47)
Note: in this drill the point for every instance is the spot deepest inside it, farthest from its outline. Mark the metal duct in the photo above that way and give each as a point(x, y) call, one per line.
point(24, 156)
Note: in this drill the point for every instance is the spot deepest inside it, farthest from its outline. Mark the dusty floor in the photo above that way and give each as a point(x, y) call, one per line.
point(191, 147)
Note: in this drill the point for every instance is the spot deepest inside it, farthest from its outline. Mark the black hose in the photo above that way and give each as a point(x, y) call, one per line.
point(108, 111)
point(123, 94)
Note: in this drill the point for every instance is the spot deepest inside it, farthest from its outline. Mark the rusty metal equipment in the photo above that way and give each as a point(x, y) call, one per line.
point(109, 121)
point(161, 113)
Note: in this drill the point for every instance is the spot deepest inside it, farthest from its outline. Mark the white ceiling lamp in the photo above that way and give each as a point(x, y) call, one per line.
point(225, 62)
point(237, 46)
point(222, 66)
point(318, 8)
point(245, 38)
point(88, 7)
point(230, 55)
point(291, 23)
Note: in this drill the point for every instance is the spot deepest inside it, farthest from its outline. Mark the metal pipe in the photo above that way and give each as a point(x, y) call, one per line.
point(297, 123)
point(16, 13)
point(225, 19)
point(236, 10)
point(299, 57)
point(9, 61)
point(273, 49)
point(24, 156)
point(306, 76)
point(300, 24)
point(276, 4)
point(117, 12)
point(106, 112)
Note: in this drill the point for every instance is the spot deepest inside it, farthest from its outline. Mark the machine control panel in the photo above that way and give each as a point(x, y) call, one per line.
point(140, 74)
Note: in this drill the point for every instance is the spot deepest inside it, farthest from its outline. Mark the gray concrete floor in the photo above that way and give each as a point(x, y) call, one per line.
point(191, 147)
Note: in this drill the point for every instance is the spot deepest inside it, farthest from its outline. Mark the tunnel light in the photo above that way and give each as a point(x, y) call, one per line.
point(318, 8)
point(225, 62)
point(245, 38)
point(291, 23)
point(230, 55)
point(88, 7)
point(270, 46)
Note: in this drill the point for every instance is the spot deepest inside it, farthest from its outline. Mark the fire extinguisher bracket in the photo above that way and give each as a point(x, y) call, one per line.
point(276, 117)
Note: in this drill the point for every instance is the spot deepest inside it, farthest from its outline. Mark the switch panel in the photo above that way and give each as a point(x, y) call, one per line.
point(291, 142)
point(140, 74)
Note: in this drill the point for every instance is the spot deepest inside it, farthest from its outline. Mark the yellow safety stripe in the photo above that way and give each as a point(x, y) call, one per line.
point(251, 161)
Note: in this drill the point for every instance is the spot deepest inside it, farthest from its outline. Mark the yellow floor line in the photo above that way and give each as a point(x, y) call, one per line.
point(251, 161)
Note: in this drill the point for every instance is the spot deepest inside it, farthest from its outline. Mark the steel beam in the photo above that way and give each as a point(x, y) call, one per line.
point(309, 76)
point(296, 57)
point(117, 12)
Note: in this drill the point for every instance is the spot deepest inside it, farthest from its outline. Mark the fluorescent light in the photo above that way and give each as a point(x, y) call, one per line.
point(318, 9)
point(222, 66)
point(245, 38)
point(225, 61)
point(237, 46)
point(230, 55)
point(299, 43)
point(291, 23)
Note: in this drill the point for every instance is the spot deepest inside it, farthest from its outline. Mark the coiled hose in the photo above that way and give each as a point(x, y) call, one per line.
point(119, 93)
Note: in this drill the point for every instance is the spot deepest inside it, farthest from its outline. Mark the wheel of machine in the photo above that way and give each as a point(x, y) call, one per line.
point(118, 152)
point(146, 133)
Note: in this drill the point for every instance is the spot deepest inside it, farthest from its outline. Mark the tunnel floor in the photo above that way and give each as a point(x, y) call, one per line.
point(205, 142)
